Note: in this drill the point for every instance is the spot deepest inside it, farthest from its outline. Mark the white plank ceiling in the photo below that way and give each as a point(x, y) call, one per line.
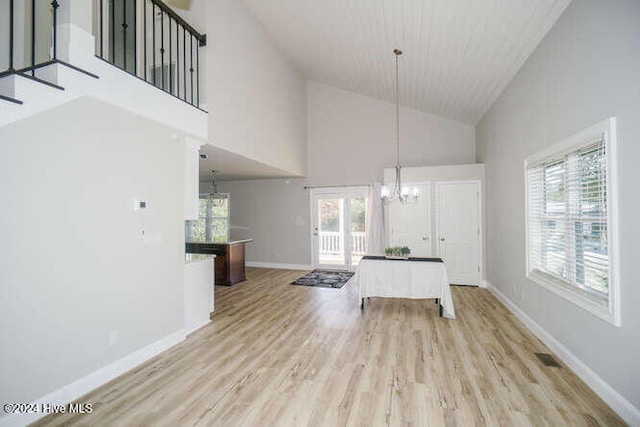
point(458, 54)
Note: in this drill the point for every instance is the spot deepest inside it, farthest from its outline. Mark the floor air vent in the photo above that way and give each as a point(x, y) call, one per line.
point(547, 360)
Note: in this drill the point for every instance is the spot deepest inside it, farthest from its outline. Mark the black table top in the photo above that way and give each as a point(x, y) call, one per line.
point(380, 257)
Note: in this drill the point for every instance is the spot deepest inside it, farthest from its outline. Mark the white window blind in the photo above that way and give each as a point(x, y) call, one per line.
point(568, 218)
point(571, 220)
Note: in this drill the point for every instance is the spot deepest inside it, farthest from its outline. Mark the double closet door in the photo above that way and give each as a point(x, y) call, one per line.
point(444, 223)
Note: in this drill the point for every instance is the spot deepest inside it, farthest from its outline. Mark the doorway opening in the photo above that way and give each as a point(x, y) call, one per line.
point(339, 238)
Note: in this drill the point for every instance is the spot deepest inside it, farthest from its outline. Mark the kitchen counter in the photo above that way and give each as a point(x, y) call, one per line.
point(228, 242)
point(191, 258)
point(229, 264)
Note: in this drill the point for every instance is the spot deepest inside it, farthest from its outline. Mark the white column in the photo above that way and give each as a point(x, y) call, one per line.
point(191, 178)
point(76, 43)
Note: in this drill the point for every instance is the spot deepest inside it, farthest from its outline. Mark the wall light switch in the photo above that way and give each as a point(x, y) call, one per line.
point(139, 205)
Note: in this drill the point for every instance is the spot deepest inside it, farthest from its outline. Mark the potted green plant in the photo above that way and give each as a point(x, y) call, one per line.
point(397, 251)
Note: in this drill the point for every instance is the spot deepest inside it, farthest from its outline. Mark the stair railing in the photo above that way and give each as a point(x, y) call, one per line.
point(31, 42)
point(149, 40)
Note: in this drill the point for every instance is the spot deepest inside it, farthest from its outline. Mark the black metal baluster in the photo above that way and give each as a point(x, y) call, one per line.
point(169, 66)
point(184, 61)
point(135, 38)
point(153, 13)
point(124, 34)
point(33, 37)
point(198, 74)
point(55, 6)
point(11, 41)
point(162, 47)
point(144, 38)
point(191, 64)
point(112, 15)
point(101, 29)
point(177, 60)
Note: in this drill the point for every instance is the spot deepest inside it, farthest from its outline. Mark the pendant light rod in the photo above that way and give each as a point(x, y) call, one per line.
point(400, 194)
point(398, 52)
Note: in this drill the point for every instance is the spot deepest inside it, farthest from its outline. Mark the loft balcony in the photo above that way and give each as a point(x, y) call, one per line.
point(136, 54)
point(147, 39)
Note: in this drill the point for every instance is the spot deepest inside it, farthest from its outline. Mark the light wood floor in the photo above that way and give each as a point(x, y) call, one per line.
point(277, 354)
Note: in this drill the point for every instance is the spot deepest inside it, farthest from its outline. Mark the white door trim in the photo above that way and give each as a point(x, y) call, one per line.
point(331, 192)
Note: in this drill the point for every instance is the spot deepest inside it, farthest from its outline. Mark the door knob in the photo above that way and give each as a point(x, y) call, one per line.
point(425, 238)
point(442, 239)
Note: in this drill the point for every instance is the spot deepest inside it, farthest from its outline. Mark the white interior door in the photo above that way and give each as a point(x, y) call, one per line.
point(338, 234)
point(458, 230)
point(410, 224)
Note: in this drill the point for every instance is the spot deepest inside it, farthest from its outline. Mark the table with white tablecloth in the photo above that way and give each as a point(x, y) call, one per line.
point(414, 278)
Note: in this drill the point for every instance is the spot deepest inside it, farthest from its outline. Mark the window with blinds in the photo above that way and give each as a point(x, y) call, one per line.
point(213, 224)
point(568, 214)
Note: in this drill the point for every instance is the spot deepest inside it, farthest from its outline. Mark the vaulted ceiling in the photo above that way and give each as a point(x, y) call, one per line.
point(458, 54)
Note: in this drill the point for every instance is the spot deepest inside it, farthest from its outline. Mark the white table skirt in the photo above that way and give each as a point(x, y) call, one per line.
point(405, 279)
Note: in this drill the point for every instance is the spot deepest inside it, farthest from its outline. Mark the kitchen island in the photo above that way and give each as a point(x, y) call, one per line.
point(229, 264)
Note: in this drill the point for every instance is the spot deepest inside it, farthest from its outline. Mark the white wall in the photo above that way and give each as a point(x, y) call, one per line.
point(72, 266)
point(352, 137)
point(275, 214)
point(350, 141)
point(256, 98)
point(585, 70)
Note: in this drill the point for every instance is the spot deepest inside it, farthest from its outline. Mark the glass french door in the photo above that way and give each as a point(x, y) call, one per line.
point(338, 227)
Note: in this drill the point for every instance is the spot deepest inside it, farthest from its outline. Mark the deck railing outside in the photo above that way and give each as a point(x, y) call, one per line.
point(331, 242)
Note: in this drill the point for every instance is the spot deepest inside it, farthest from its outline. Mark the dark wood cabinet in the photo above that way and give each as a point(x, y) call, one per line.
point(229, 264)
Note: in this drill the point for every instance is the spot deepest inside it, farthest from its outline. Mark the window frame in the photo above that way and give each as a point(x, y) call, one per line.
point(208, 220)
point(609, 308)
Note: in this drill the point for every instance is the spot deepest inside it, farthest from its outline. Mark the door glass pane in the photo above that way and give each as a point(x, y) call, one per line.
point(358, 234)
point(330, 231)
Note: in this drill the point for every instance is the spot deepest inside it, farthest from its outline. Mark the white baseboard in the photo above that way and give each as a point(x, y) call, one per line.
point(82, 386)
point(279, 265)
point(618, 403)
point(197, 326)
